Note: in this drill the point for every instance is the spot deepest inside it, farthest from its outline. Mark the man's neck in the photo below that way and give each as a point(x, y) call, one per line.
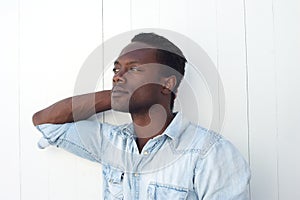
point(150, 123)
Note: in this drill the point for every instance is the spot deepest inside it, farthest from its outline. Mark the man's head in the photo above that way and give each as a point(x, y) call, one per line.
point(148, 71)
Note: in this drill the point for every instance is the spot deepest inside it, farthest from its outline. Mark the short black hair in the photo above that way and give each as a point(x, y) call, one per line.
point(167, 54)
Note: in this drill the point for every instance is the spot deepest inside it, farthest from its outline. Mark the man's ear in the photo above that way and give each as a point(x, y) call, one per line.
point(169, 84)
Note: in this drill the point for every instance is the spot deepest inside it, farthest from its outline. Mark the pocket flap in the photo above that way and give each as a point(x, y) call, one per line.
point(162, 191)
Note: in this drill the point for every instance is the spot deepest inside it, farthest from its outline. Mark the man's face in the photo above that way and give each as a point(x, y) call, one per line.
point(137, 80)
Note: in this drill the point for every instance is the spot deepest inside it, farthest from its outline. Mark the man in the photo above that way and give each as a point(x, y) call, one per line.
point(160, 155)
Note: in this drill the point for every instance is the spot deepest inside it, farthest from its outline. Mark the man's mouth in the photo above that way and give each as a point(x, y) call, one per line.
point(118, 91)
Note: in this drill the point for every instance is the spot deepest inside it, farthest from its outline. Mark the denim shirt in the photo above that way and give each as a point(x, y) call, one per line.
point(185, 162)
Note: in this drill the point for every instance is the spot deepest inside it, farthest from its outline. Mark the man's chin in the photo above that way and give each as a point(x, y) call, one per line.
point(119, 108)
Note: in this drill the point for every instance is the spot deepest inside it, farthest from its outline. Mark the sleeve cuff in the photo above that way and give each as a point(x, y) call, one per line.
point(51, 133)
point(43, 143)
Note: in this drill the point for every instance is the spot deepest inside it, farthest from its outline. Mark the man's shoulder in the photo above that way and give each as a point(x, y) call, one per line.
point(207, 142)
point(197, 139)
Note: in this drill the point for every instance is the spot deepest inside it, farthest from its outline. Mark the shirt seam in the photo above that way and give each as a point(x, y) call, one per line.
point(61, 140)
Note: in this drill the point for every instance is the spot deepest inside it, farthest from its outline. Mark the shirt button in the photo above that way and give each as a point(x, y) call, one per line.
point(136, 174)
point(146, 153)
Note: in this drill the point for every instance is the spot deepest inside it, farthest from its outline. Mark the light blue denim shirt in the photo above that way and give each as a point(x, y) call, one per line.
point(185, 162)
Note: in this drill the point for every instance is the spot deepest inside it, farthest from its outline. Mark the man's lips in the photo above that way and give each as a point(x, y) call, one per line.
point(118, 91)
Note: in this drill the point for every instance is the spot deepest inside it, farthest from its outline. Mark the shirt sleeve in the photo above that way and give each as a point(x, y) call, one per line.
point(222, 174)
point(82, 138)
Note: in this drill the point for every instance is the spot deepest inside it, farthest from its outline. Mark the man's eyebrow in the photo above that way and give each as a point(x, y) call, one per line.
point(116, 62)
point(128, 63)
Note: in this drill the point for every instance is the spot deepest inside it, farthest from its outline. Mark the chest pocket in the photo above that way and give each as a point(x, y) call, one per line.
point(114, 179)
point(161, 192)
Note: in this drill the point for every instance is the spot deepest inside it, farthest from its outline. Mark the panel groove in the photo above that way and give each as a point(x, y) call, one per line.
point(130, 14)
point(276, 102)
point(102, 40)
point(247, 87)
point(220, 126)
point(19, 107)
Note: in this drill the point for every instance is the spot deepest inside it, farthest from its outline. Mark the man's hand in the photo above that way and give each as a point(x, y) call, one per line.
point(74, 108)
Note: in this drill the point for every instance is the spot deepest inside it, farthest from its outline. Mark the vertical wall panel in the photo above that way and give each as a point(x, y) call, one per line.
point(201, 20)
point(116, 17)
point(287, 43)
point(201, 27)
point(262, 99)
point(144, 14)
point(56, 37)
point(231, 61)
point(9, 86)
point(173, 15)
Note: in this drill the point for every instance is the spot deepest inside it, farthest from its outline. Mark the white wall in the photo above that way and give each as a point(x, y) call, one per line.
point(255, 46)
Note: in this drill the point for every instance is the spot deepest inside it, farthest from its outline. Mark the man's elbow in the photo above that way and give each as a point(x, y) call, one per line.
point(36, 119)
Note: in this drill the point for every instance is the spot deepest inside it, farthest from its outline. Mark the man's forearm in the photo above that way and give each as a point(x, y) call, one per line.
point(74, 108)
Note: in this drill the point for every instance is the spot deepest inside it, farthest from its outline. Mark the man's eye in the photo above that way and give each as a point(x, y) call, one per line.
point(116, 70)
point(134, 68)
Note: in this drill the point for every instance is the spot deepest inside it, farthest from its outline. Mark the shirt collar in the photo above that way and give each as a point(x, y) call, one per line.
point(127, 129)
point(175, 128)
